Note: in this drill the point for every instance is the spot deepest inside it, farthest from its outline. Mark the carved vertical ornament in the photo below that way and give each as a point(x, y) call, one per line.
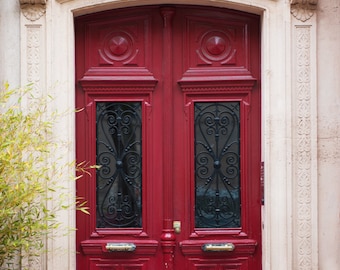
point(33, 9)
point(304, 100)
point(303, 231)
point(305, 136)
point(33, 55)
point(303, 10)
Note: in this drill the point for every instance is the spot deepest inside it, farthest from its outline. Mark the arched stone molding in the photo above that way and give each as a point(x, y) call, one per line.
point(278, 113)
point(303, 10)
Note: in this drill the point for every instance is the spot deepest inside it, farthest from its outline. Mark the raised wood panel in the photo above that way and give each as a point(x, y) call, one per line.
point(214, 43)
point(119, 264)
point(240, 263)
point(215, 46)
point(120, 45)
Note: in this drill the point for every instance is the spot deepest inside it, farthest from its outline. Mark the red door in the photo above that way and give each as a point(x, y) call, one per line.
point(171, 99)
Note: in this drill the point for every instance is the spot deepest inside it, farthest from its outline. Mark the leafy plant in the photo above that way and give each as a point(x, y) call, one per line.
point(28, 177)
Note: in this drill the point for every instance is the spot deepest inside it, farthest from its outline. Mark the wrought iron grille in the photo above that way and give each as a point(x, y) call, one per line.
point(217, 165)
point(119, 155)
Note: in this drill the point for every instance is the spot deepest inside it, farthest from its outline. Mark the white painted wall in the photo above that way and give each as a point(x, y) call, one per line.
point(10, 42)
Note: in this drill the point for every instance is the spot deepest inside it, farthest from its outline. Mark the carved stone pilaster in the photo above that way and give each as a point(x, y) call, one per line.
point(303, 10)
point(33, 55)
point(33, 9)
point(305, 170)
point(33, 71)
point(303, 218)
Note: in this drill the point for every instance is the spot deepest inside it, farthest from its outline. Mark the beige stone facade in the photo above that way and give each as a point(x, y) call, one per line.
point(300, 108)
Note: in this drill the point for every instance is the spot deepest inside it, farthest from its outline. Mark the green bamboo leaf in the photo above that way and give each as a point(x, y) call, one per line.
point(28, 176)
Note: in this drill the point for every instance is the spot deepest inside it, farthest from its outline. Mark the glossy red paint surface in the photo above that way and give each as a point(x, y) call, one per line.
point(168, 58)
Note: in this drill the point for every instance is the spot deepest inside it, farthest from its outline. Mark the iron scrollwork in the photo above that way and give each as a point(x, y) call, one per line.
point(119, 155)
point(217, 164)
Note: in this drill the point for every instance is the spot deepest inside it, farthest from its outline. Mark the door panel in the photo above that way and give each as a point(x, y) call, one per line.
point(171, 115)
point(119, 155)
point(217, 164)
point(122, 264)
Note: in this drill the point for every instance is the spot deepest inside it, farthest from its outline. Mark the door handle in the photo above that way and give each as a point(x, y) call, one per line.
point(125, 247)
point(220, 247)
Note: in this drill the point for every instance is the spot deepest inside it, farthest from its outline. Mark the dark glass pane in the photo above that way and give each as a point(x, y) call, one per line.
point(217, 165)
point(119, 155)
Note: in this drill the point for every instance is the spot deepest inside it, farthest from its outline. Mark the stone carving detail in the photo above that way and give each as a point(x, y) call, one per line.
point(215, 46)
point(303, 10)
point(33, 55)
point(303, 160)
point(33, 9)
point(32, 2)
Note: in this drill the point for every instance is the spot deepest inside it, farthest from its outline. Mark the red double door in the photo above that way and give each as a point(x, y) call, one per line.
point(170, 100)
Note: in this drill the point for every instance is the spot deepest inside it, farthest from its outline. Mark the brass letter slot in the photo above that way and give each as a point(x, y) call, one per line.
point(125, 247)
point(218, 247)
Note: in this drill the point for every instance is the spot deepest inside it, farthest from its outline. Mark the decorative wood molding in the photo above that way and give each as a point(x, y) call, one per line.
point(217, 84)
point(303, 10)
point(33, 9)
point(121, 84)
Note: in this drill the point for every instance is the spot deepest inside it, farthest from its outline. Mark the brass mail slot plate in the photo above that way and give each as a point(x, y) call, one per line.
point(120, 247)
point(220, 247)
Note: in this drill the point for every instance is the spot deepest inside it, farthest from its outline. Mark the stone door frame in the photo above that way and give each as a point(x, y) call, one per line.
point(290, 231)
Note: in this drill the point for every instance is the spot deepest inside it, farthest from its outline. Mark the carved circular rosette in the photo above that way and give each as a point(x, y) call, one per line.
point(118, 46)
point(215, 46)
point(303, 10)
point(33, 9)
point(34, 12)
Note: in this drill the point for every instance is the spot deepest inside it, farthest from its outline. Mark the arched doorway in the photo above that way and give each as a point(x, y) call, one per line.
point(172, 117)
